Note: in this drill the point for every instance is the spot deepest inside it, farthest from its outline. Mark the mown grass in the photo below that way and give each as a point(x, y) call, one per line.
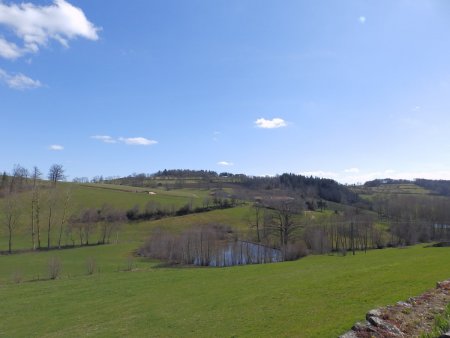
point(318, 296)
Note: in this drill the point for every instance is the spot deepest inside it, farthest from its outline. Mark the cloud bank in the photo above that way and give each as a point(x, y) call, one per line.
point(36, 25)
point(270, 124)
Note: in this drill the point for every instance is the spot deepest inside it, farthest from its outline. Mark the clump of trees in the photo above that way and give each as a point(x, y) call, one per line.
point(207, 245)
point(89, 221)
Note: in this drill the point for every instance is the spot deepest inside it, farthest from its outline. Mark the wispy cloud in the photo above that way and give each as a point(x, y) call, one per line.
point(104, 138)
point(134, 141)
point(137, 141)
point(270, 124)
point(56, 147)
point(362, 19)
point(18, 81)
point(9, 50)
point(225, 163)
point(36, 25)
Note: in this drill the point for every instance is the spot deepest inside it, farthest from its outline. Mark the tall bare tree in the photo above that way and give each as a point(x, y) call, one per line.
point(35, 176)
point(11, 213)
point(56, 173)
point(64, 217)
point(52, 200)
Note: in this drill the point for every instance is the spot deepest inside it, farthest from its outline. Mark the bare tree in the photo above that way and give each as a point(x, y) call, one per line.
point(52, 201)
point(110, 220)
point(11, 215)
point(35, 176)
point(89, 218)
point(257, 219)
point(19, 176)
point(56, 173)
point(64, 217)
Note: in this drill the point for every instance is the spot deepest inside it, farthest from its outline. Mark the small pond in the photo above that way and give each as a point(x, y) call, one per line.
point(240, 253)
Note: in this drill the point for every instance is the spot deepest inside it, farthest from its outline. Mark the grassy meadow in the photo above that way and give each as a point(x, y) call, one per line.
point(317, 296)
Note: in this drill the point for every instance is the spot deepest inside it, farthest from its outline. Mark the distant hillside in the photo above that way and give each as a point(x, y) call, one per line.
point(437, 187)
point(285, 184)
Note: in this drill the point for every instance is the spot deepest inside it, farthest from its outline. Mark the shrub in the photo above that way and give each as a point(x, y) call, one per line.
point(91, 265)
point(295, 250)
point(54, 267)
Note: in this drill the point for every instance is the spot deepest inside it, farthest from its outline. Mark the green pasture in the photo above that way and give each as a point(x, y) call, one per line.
point(90, 195)
point(318, 296)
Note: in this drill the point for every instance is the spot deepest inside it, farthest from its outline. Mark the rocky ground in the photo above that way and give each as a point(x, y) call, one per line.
point(410, 318)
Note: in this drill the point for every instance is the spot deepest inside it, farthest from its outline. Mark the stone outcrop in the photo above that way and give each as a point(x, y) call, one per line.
point(410, 318)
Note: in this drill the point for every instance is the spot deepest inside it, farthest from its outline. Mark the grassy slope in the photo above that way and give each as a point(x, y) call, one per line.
point(82, 196)
point(319, 296)
point(391, 189)
point(316, 296)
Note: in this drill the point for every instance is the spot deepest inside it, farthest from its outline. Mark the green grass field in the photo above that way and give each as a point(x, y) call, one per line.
point(318, 296)
point(90, 195)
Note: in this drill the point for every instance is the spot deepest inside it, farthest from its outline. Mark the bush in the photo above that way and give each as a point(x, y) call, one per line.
point(54, 267)
point(91, 265)
point(295, 250)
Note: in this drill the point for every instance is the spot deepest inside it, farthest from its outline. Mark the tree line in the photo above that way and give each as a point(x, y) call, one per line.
point(47, 210)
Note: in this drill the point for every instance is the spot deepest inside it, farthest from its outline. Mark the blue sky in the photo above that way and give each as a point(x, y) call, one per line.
point(351, 90)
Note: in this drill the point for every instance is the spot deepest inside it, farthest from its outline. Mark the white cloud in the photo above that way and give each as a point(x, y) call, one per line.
point(56, 147)
point(362, 19)
point(352, 170)
point(139, 141)
point(37, 25)
point(270, 124)
point(18, 81)
point(9, 50)
point(104, 138)
point(135, 141)
point(225, 163)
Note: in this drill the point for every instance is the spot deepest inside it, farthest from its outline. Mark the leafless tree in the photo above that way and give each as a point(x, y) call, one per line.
point(89, 218)
point(51, 205)
point(19, 176)
point(64, 217)
point(11, 213)
point(56, 173)
point(110, 220)
point(257, 219)
point(35, 176)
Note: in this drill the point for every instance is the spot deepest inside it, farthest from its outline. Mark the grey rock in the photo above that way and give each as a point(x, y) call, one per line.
point(382, 324)
point(373, 313)
point(404, 304)
point(349, 334)
point(359, 326)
